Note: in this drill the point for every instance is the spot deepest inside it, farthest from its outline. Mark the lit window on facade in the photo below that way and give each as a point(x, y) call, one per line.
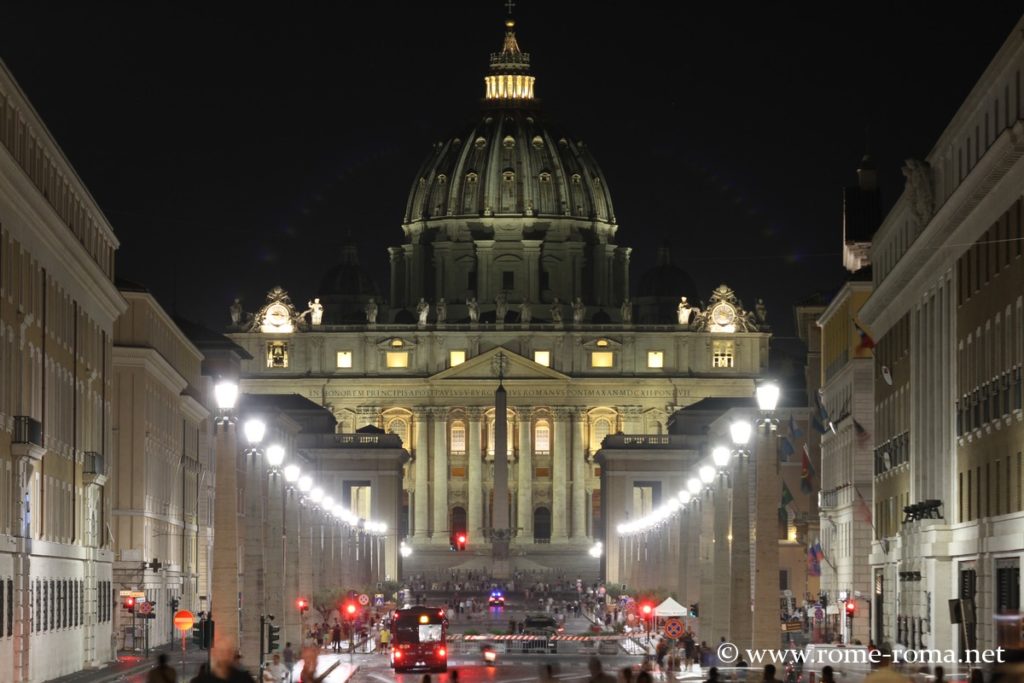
point(602, 343)
point(458, 437)
point(602, 359)
point(542, 358)
point(655, 359)
point(490, 437)
point(397, 343)
point(602, 428)
point(277, 355)
point(344, 359)
point(542, 437)
point(723, 354)
point(398, 359)
point(399, 428)
point(456, 358)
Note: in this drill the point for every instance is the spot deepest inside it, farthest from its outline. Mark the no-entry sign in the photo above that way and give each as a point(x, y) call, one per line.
point(673, 628)
point(184, 620)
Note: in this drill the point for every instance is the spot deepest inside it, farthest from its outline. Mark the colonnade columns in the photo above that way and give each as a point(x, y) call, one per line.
point(274, 552)
point(253, 576)
point(692, 572)
point(740, 618)
point(439, 418)
point(305, 555)
point(720, 560)
point(707, 567)
point(766, 545)
point(474, 457)
point(421, 493)
point(225, 538)
point(292, 619)
point(524, 520)
point(559, 480)
point(579, 477)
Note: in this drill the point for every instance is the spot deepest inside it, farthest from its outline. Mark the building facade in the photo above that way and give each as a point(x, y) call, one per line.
point(510, 269)
point(947, 410)
point(58, 304)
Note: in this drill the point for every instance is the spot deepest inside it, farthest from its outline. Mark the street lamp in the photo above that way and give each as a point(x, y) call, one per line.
point(291, 475)
point(316, 495)
point(225, 393)
point(254, 430)
point(721, 456)
point(305, 484)
point(707, 476)
point(693, 485)
point(275, 458)
point(327, 504)
point(684, 498)
point(767, 399)
point(740, 431)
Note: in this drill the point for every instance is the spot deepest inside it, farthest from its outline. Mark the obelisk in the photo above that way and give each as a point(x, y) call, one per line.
point(500, 532)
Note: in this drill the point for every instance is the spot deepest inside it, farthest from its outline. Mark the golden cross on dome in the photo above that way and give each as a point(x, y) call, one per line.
point(509, 5)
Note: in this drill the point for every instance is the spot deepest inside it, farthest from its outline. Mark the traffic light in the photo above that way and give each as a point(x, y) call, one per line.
point(174, 605)
point(460, 542)
point(851, 608)
point(302, 604)
point(129, 603)
point(273, 636)
point(351, 610)
point(694, 610)
point(647, 610)
point(202, 633)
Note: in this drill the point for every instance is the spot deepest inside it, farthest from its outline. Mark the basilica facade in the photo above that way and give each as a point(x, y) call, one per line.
point(510, 270)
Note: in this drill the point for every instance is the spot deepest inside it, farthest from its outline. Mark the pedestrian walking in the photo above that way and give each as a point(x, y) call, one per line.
point(162, 672)
point(336, 637)
point(275, 672)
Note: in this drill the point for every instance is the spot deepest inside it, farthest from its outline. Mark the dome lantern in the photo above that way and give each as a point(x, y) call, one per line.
point(510, 77)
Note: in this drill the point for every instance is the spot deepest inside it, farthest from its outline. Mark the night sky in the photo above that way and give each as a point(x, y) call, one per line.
point(233, 147)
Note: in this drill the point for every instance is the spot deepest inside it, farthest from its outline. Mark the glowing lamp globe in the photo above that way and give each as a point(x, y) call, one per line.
point(254, 430)
point(291, 473)
point(767, 396)
point(305, 483)
point(740, 431)
point(226, 394)
point(328, 503)
point(316, 495)
point(684, 497)
point(694, 486)
point(707, 474)
point(721, 456)
point(275, 455)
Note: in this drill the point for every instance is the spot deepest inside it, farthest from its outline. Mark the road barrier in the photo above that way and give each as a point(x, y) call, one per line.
point(535, 644)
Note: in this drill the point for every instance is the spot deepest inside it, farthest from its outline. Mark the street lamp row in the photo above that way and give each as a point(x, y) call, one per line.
point(740, 431)
point(226, 395)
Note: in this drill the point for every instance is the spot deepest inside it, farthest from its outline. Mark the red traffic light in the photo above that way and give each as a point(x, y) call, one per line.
point(302, 604)
point(129, 603)
point(462, 538)
point(646, 609)
point(851, 608)
point(350, 609)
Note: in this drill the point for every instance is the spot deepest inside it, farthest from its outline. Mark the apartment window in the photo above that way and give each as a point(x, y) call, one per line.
point(397, 359)
point(783, 579)
point(344, 359)
point(602, 359)
point(458, 437)
point(456, 358)
point(277, 354)
point(508, 279)
point(542, 358)
point(723, 354)
point(542, 437)
point(655, 359)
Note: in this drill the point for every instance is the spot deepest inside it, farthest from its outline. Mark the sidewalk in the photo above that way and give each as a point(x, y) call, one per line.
point(130, 663)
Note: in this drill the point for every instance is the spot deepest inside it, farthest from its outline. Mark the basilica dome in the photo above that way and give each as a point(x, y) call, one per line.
point(510, 161)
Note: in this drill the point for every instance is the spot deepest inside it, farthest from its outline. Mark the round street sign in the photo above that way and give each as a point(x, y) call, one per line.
point(673, 628)
point(364, 599)
point(184, 620)
point(144, 608)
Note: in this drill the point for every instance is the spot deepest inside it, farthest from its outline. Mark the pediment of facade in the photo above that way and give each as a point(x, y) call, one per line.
point(485, 366)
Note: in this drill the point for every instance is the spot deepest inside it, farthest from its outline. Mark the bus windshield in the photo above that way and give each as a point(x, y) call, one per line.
point(419, 627)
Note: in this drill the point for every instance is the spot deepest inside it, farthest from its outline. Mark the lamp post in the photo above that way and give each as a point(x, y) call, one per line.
point(766, 546)
point(740, 624)
point(274, 560)
point(253, 575)
point(224, 603)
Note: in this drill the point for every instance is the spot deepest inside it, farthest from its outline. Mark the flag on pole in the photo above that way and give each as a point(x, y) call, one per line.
point(794, 431)
point(861, 510)
point(866, 342)
point(824, 421)
point(784, 503)
point(863, 436)
point(814, 557)
point(785, 450)
point(806, 472)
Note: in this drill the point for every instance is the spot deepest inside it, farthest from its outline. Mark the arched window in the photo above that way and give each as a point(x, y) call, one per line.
point(602, 428)
point(458, 443)
point(542, 437)
point(490, 437)
point(400, 427)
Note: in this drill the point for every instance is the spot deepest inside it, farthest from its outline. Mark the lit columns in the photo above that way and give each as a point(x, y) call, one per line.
point(740, 624)
point(421, 494)
point(474, 457)
point(253, 574)
point(291, 526)
point(720, 605)
point(224, 602)
point(559, 479)
point(579, 477)
point(524, 507)
point(274, 549)
point(766, 545)
point(441, 535)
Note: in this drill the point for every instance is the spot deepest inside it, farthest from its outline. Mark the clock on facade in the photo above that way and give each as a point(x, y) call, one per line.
point(723, 318)
point(277, 318)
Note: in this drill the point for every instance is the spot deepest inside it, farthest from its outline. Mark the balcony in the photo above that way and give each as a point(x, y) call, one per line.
point(94, 468)
point(357, 440)
point(27, 430)
point(828, 500)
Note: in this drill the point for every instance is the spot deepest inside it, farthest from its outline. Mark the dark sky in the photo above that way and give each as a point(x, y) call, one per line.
point(237, 144)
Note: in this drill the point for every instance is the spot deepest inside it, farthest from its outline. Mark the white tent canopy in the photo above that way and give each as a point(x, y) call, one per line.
point(670, 608)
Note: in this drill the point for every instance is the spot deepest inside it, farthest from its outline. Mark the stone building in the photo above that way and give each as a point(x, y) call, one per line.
point(58, 304)
point(946, 310)
point(510, 268)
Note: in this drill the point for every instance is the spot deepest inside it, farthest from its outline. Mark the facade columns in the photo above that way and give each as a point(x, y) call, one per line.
point(740, 624)
point(439, 418)
point(579, 477)
point(305, 563)
point(225, 538)
point(275, 547)
point(253, 576)
point(524, 506)
point(474, 458)
point(720, 560)
point(559, 479)
point(292, 618)
point(421, 494)
point(766, 543)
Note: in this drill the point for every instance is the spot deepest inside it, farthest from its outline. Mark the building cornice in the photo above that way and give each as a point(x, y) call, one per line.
point(973, 207)
point(842, 296)
point(36, 225)
point(148, 360)
point(165, 319)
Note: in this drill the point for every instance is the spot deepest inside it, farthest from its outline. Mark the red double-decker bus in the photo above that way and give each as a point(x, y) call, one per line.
point(419, 639)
